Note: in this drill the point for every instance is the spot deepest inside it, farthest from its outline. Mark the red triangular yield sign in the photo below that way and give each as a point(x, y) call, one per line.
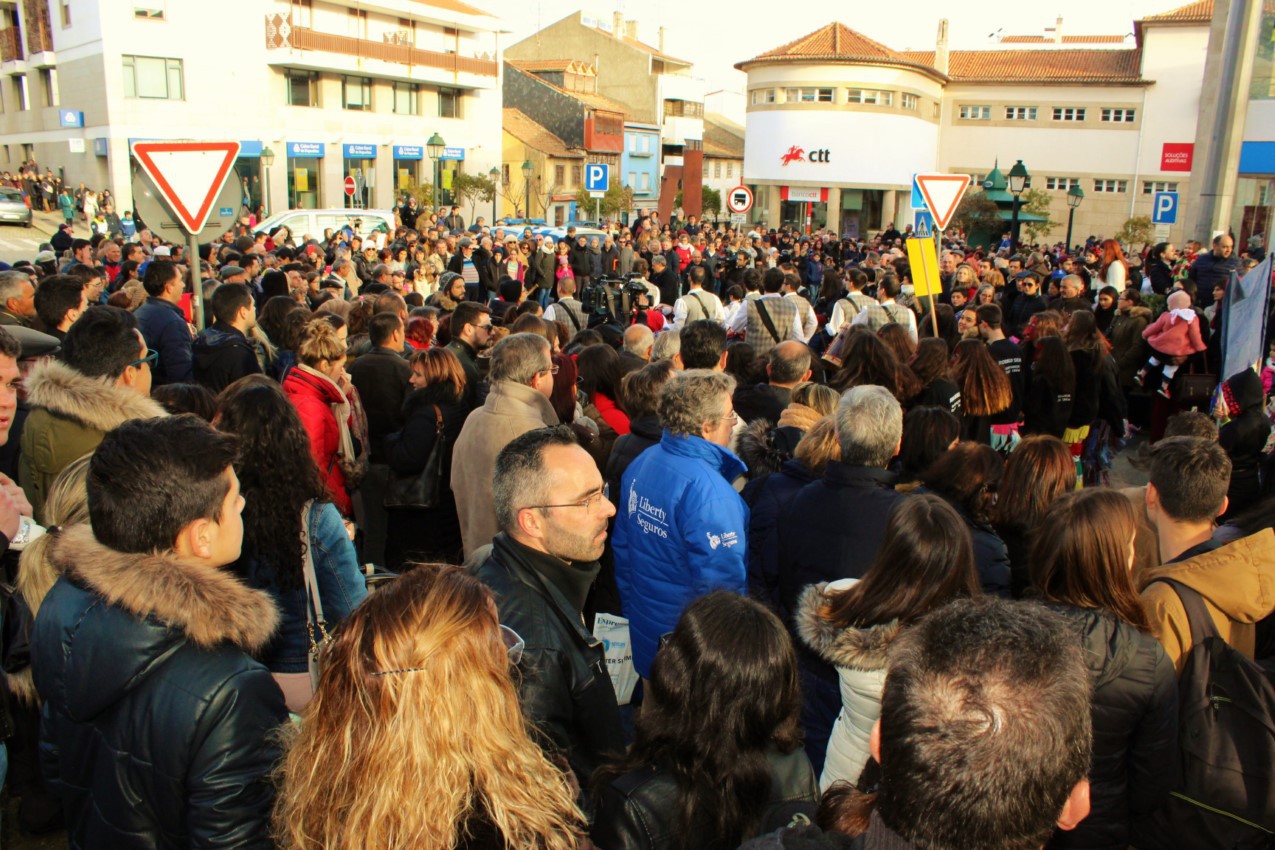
point(188, 175)
point(942, 194)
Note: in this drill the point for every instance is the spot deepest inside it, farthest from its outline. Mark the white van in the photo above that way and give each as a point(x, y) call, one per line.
point(314, 223)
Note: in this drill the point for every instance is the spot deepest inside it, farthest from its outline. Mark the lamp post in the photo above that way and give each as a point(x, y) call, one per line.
point(1074, 196)
point(435, 147)
point(1017, 183)
point(267, 160)
point(494, 174)
point(527, 169)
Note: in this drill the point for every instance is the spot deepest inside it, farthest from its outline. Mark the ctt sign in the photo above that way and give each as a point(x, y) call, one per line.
point(796, 153)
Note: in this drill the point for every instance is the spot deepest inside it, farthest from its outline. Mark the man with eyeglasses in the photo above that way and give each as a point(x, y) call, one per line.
point(552, 509)
point(471, 333)
point(522, 375)
point(682, 529)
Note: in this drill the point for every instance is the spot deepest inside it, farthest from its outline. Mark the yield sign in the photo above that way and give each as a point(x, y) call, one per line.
point(942, 194)
point(188, 175)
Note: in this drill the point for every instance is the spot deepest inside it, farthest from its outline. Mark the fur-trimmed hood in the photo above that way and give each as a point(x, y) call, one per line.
point(861, 649)
point(209, 605)
point(96, 403)
point(759, 449)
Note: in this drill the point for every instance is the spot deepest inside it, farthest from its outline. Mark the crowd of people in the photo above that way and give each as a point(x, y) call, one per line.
point(343, 567)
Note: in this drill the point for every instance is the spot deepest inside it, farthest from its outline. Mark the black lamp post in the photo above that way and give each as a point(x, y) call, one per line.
point(527, 169)
point(494, 174)
point(435, 147)
point(1018, 177)
point(1074, 196)
point(267, 159)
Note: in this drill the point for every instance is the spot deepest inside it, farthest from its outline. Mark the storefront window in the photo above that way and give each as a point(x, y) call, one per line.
point(1254, 207)
point(364, 173)
point(1262, 86)
point(406, 174)
point(248, 173)
point(304, 191)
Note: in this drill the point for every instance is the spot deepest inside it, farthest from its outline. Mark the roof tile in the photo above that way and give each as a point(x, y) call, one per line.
point(1039, 66)
point(1200, 10)
point(835, 42)
point(524, 129)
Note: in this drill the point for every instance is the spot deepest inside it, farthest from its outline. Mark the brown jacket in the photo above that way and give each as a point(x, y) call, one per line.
point(1237, 583)
point(509, 411)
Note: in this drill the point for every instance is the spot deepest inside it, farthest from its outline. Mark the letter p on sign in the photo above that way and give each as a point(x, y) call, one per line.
point(1165, 208)
point(596, 177)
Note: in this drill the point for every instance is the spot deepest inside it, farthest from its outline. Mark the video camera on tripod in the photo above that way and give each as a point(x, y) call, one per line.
point(614, 299)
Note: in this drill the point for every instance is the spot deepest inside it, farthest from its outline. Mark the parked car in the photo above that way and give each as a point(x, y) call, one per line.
point(13, 207)
point(316, 222)
point(561, 232)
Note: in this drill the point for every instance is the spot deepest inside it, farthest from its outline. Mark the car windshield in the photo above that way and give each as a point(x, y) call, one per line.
point(10, 194)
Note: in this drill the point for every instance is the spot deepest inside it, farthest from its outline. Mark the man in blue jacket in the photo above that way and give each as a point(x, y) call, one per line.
point(163, 325)
point(681, 530)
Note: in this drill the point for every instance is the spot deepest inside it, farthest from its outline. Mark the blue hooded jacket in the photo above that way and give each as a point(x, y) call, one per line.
point(681, 531)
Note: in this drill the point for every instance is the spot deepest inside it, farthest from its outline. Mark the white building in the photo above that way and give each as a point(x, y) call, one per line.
point(333, 88)
point(837, 123)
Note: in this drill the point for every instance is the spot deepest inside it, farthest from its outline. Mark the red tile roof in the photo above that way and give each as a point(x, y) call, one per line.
point(835, 43)
point(524, 129)
point(1066, 39)
point(1200, 10)
point(593, 101)
point(1039, 66)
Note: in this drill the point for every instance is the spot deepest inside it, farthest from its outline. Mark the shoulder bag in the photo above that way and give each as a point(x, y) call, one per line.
point(426, 489)
point(316, 626)
point(1195, 389)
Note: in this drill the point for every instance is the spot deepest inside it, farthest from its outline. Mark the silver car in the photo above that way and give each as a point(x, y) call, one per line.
point(13, 208)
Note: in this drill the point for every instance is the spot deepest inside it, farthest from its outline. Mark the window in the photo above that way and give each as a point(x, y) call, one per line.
point(1152, 186)
point(762, 96)
point(717, 169)
point(406, 98)
point(811, 95)
point(644, 181)
point(1069, 113)
point(577, 175)
point(559, 175)
point(1115, 186)
point(730, 169)
point(358, 23)
point(151, 10)
point(153, 77)
point(504, 174)
point(49, 82)
point(20, 92)
point(976, 113)
point(1061, 184)
point(1119, 116)
point(937, 109)
point(303, 88)
point(632, 181)
point(1020, 113)
point(449, 103)
point(910, 101)
point(64, 10)
point(823, 95)
point(867, 96)
point(356, 93)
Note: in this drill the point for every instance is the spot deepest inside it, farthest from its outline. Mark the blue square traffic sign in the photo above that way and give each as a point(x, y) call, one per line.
point(597, 177)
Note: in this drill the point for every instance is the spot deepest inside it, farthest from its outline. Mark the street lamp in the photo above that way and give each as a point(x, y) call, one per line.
point(267, 159)
point(435, 147)
point(527, 169)
point(494, 174)
point(1074, 196)
point(1018, 177)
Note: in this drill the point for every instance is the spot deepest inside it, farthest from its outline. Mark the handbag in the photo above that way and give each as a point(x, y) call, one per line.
point(426, 489)
point(316, 627)
point(1195, 389)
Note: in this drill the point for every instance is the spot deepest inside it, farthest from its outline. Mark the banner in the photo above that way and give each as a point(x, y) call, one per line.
point(1244, 319)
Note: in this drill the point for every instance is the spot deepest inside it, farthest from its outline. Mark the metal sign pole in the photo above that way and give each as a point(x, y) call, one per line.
point(934, 302)
point(197, 289)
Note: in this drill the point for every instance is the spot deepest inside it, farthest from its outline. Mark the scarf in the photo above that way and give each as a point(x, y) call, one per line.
point(1186, 314)
point(799, 416)
point(341, 410)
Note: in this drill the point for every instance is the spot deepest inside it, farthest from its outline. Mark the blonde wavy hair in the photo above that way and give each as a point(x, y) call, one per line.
point(415, 732)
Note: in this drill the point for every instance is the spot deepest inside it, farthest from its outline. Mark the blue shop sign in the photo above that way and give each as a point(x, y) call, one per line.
point(454, 153)
point(409, 152)
point(306, 149)
point(250, 149)
point(99, 147)
point(360, 151)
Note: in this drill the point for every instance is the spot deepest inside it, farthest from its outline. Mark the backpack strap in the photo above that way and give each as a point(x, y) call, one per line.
point(702, 306)
point(767, 321)
point(1197, 613)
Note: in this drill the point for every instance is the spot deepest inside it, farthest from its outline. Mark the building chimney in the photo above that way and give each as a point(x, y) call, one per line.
point(630, 30)
point(617, 24)
point(940, 48)
point(1058, 30)
point(661, 41)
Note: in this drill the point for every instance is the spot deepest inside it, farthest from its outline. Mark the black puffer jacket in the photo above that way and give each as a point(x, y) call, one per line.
point(639, 810)
point(644, 432)
point(563, 684)
point(1135, 728)
point(1244, 437)
point(157, 726)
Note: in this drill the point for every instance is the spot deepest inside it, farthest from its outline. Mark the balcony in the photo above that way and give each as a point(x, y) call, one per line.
point(35, 20)
point(281, 34)
point(11, 45)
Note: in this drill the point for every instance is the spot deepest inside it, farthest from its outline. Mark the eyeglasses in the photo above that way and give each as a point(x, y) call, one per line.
point(514, 646)
point(588, 503)
point(486, 327)
point(731, 417)
point(552, 370)
point(151, 358)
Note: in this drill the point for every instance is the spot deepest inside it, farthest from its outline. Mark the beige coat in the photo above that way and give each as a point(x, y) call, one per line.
point(509, 411)
point(1237, 583)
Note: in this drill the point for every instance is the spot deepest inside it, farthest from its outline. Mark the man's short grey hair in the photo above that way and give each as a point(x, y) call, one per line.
point(869, 426)
point(520, 479)
point(694, 398)
point(341, 265)
point(1073, 280)
point(11, 284)
point(638, 339)
point(668, 344)
point(380, 269)
point(659, 258)
point(519, 358)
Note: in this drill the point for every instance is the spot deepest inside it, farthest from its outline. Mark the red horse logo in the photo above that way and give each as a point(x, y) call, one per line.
point(795, 154)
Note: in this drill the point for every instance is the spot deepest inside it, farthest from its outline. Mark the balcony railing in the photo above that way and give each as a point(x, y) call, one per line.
point(10, 45)
point(279, 34)
point(35, 20)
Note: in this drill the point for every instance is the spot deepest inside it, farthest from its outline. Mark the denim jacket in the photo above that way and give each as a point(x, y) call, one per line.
point(342, 587)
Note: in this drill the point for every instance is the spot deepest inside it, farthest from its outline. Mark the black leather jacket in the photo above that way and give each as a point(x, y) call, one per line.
point(564, 686)
point(639, 810)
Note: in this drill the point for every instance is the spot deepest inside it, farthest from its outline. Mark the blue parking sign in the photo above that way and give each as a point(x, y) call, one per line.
point(597, 177)
point(1164, 209)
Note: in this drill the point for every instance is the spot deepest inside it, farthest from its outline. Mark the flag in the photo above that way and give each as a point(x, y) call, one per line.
point(1244, 310)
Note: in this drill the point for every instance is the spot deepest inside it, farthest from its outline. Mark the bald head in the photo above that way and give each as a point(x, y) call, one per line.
point(638, 340)
point(788, 363)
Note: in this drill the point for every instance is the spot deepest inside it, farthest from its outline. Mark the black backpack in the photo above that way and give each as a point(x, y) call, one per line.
point(1224, 791)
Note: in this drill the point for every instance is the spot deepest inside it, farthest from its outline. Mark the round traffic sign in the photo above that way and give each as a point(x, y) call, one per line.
point(349, 186)
point(740, 199)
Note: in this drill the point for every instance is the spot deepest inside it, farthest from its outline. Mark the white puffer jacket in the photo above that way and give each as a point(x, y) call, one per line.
point(860, 658)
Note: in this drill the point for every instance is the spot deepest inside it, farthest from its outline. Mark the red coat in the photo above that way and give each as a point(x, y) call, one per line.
point(313, 398)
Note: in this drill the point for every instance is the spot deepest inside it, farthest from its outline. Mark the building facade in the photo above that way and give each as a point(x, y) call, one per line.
point(540, 173)
point(331, 88)
point(838, 124)
point(723, 159)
